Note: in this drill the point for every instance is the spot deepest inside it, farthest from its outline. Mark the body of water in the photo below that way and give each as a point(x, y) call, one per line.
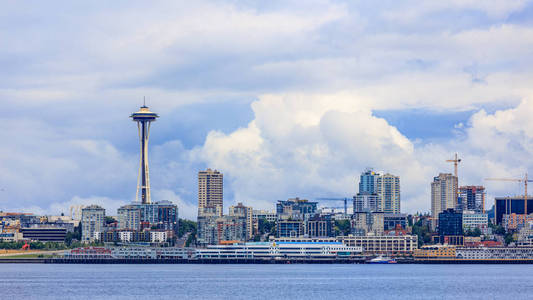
point(48, 281)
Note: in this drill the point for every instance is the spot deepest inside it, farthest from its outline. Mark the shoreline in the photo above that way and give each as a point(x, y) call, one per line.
point(251, 261)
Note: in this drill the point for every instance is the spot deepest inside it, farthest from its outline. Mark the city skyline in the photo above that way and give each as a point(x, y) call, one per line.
point(286, 99)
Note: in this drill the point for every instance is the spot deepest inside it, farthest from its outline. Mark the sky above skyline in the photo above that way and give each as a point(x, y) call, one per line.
point(286, 98)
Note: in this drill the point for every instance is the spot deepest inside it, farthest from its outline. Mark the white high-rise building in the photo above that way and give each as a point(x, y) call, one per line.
point(388, 190)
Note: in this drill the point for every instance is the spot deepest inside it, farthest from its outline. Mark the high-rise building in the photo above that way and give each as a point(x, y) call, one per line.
point(443, 194)
point(364, 202)
point(388, 190)
point(144, 117)
point(92, 222)
point(379, 193)
point(472, 198)
point(210, 191)
point(129, 217)
point(245, 212)
point(367, 182)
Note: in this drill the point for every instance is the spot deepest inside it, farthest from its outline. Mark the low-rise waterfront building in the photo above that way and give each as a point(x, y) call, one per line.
point(383, 244)
point(130, 253)
point(44, 234)
point(498, 253)
point(435, 252)
point(280, 249)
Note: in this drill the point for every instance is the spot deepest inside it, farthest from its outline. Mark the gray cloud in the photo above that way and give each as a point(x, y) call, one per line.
point(71, 73)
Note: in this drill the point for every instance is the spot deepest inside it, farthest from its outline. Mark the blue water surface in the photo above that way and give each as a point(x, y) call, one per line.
point(45, 281)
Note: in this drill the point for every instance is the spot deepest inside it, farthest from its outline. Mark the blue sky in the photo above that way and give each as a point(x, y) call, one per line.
point(286, 98)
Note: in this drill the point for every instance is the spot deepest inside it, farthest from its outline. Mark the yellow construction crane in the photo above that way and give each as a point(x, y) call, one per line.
point(455, 162)
point(524, 180)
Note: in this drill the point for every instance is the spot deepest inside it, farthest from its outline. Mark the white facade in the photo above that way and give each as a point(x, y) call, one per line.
point(383, 244)
point(473, 220)
point(507, 253)
point(125, 236)
point(131, 253)
point(272, 250)
point(388, 190)
point(158, 236)
point(265, 214)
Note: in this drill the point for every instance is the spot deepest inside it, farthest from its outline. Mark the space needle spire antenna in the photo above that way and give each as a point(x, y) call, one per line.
point(144, 117)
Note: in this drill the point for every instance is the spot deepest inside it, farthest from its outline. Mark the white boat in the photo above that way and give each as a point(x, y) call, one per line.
point(382, 260)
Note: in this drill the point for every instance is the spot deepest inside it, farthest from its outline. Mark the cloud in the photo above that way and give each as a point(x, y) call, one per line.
point(314, 73)
point(186, 210)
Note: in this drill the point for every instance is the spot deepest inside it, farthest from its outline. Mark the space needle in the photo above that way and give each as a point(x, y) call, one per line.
point(144, 117)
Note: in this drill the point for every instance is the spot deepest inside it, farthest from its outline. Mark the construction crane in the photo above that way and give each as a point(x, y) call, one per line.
point(524, 180)
point(337, 199)
point(455, 162)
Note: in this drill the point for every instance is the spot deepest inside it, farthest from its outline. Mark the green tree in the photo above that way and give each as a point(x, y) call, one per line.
point(109, 220)
point(423, 232)
point(497, 229)
point(265, 226)
point(191, 239)
point(185, 226)
point(342, 227)
point(508, 238)
point(73, 236)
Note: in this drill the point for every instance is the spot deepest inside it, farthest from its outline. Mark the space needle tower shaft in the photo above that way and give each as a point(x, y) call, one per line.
point(144, 117)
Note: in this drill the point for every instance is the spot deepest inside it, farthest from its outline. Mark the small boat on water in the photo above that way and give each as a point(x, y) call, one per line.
point(382, 260)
